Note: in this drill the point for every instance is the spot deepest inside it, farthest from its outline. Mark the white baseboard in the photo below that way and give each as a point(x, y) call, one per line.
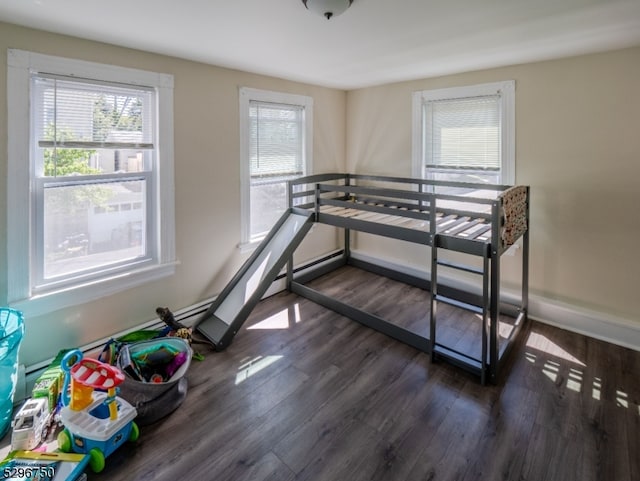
point(599, 325)
point(596, 324)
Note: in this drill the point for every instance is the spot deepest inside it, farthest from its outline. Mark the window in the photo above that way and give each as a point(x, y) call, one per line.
point(276, 141)
point(86, 140)
point(465, 133)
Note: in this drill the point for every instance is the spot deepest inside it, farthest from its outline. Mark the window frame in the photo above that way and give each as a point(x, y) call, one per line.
point(246, 96)
point(23, 181)
point(506, 91)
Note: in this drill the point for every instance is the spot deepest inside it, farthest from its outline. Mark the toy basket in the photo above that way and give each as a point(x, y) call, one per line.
point(154, 397)
point(11, 333)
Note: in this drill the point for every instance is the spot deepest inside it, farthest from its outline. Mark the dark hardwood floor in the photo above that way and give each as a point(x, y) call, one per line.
point(305, 394)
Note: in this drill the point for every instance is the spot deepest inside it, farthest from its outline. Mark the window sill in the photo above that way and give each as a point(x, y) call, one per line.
point(249, 247)
point(41, 304)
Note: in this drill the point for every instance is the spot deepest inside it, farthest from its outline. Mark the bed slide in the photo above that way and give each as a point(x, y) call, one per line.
point(232, 307)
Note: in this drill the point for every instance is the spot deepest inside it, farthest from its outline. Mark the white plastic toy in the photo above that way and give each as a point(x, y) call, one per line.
point(30, 424)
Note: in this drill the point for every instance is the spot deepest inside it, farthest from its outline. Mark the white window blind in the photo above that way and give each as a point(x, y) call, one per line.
point(90, 115)
point(463, 133)
point(276, 140)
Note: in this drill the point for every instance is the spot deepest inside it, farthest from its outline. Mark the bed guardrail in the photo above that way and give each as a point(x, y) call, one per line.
point(498, 212)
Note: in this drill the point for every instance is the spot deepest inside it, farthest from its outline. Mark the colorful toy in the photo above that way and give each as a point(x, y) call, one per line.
point(36, 417)
point(49, 383)
point(96, 422)
point(175, 328)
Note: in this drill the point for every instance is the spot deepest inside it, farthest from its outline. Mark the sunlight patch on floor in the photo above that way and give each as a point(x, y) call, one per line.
point(574, 382)
point(280, 320)
point(550, 369)
point(622, 399)
point(505, 330)
point(597, 388)
point(253, 366)
point(542, 343)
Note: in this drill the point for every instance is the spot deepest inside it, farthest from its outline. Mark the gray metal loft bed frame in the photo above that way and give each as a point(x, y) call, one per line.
point(477, 219)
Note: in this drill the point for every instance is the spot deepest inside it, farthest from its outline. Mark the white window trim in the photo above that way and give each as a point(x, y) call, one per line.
point(508, 122)
point(246, 95)
point(19, 182)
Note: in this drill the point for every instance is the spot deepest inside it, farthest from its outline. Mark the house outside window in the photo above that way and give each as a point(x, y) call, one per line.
point(276, 141)
point(465, 134)
point(92, 170)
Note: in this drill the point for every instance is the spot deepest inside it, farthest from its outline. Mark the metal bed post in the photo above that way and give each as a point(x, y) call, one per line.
point(525, 263)
point(347, 231)
point(289, 278)
point(485, 317)
point(434, 275)
point(317, 201)
point(495, 291)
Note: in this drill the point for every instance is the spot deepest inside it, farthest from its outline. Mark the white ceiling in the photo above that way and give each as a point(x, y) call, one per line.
point(374, 42)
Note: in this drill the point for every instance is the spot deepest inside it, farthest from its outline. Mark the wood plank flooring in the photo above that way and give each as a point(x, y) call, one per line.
point(456, 328)
point(305, 394)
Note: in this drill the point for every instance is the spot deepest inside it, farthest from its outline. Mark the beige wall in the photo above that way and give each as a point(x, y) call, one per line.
point(207, 186)
point(577, 146)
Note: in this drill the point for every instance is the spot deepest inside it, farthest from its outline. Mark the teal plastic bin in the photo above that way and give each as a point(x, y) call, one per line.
point(11, 334)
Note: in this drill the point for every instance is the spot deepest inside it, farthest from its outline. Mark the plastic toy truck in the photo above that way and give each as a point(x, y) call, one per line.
point(30, 424)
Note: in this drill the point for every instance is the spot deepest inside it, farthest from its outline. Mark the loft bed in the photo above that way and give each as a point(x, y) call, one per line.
point(471, 218)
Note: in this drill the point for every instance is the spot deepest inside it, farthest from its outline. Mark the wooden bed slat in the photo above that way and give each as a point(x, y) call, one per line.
point(480, 232)
point(445, 220)
point(395, 220)
point(377, 217)
point(465, 227)
point(367, 215)
point(452, 225)
point(418, 225)
point(329, 209)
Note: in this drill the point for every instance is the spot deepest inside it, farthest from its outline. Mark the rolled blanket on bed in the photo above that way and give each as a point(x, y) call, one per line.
point(514, 214)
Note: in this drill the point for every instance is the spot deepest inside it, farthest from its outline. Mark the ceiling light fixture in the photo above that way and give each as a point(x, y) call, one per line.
point(327, 8)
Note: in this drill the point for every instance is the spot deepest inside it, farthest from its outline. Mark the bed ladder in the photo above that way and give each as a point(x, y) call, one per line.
point(441, 351)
